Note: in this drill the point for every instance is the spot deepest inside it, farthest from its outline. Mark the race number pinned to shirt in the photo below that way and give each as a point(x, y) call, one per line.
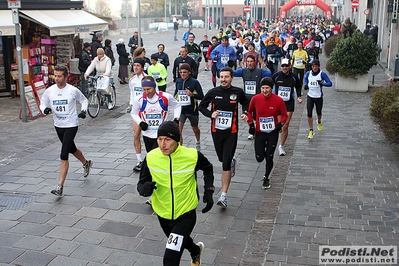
point(266, 124)
point(224, 59)
point(284, 93)
point(317, 44)
point(298, 62)
point(224, 120)
point(138, 91)
point(205, 49)
point(311, 57)
point(183, 98)
point(250, 87)
point(153, 121)
point(156, 75)
point(174, 242)
point(60, 108)
point(270, 58)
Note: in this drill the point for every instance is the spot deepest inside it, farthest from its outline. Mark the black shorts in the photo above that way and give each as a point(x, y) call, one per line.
point(67, 136)
point(194, 119)
point(204, 54)
point(290, 105)
point(225, 147)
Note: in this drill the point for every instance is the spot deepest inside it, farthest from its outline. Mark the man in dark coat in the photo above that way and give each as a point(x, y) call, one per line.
point(84, 63)
point(96, 43)
point(134, 42)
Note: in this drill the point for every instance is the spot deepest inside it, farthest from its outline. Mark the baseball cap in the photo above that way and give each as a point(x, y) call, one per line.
point(285, 61)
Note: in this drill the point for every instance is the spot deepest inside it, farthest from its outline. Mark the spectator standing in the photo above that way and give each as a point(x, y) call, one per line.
point(123, 61)
point(134, 42)
point(175, 28)
point(190, 22)
point(96, 43)
point(108, 51)
point(84, 63)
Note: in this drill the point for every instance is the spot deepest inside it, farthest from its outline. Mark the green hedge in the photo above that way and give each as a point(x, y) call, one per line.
point(385, 108)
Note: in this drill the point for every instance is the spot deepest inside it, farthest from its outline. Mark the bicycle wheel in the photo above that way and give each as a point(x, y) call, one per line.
point(113, 96)
point(94, 104)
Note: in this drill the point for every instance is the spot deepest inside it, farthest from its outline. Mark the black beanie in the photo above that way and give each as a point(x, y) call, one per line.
point(267, 81)
point(140, 61)
point(169, 129)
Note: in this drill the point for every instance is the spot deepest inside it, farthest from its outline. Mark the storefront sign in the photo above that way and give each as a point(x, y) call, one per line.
point(82, 29)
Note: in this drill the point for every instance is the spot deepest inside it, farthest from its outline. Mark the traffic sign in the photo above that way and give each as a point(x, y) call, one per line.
point(355, 4)
point(14, 3)
point(247, 9)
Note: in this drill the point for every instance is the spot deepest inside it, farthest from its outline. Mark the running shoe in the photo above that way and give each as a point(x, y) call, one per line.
point(110, 105)
point(196, 260)
point(86, 167)
point(250, 137)
point(138, 166)
point(311, 133)
point(222, 201)
point(58, 190)
point(198, 146)
point(266, 183)
point(233, 166)
point(320, 126)
point(281, 151)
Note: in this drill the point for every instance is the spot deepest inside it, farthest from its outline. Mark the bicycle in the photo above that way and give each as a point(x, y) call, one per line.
point(97, 97)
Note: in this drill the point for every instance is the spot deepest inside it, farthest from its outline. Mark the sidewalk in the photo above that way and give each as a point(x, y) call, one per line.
point(340, 188)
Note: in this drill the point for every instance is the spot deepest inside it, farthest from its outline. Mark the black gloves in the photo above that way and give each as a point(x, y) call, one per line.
point(208, 199)
point(47, 111)
point(158, 79)
point(251, 129)
point(143, 125)
point(199, 59)
point(306, 87)
point(82, 114)
point(320, 82)
point(278, 127)
point(304, 62)
point(176, 121)
point(147, 189)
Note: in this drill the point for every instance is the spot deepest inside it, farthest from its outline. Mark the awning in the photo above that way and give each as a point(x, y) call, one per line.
point(7, 27)
point(63, 22)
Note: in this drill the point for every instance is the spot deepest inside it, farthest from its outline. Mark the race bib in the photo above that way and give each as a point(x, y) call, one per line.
point(224, 120)
point(266, 124)
point(156, 75)
point(174, 242)
point(250, 87)
point(224, 59)
point(311, 57)
point(270, 58)
point(60, 108)
point(138, 91)
point(183, 98)
point(317, 44)
point(298, 62)
point(284, 93)
point(205, 49)
point(153, 121)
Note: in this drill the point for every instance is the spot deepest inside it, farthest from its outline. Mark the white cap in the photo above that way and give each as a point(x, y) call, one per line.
point(285, 61)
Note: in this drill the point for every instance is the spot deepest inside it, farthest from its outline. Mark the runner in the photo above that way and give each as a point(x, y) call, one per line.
point(270, 117)
point(314, 81)
point(224, 101)
point(288, 86)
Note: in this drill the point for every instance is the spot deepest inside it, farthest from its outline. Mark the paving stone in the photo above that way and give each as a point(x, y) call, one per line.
point(26, 228)
point(120, 228)
point(92, 253)
point(34, 258)
point(120, 257)
point(34, 242)
point(91, 237)
point(7, 255)
point(65, 261)
point(62, 232)
point(62, 247)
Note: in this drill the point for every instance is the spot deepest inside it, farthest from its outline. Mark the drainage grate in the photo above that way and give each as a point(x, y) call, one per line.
point(10, 201)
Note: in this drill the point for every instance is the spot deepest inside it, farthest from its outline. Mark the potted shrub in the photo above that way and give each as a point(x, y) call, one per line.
point(351, 60)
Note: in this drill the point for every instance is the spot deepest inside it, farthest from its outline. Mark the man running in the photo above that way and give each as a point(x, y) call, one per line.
point(224, 101)
point(288, 86)
point(270, 117)
point(314, 81)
